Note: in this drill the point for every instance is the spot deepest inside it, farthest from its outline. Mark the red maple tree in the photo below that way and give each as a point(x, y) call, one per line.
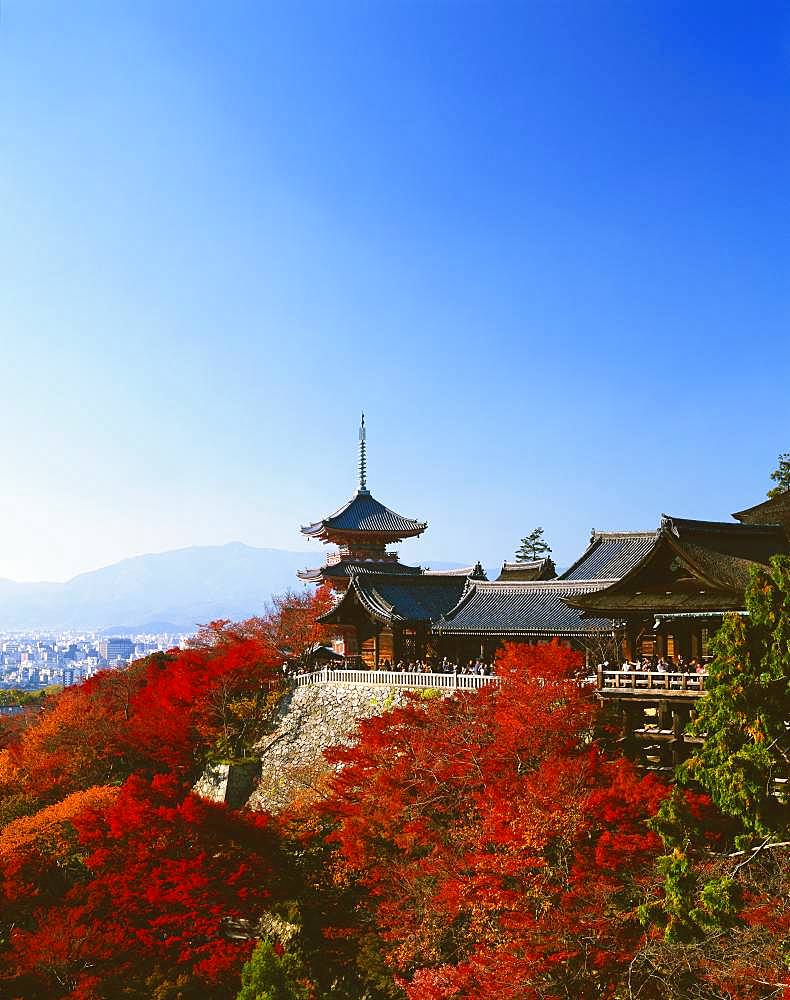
point(501, 851)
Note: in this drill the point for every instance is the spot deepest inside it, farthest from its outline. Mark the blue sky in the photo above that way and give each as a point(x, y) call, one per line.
point(543, 245)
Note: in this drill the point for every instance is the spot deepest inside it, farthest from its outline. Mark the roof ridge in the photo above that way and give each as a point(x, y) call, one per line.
point(556, 584)
point(738, 527)
point(622, 534)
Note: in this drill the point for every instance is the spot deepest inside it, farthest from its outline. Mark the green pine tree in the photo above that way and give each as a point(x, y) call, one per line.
point(781, 475)
point(687, 909)
point(272, 976)
point(534, 546)
point(744, 714)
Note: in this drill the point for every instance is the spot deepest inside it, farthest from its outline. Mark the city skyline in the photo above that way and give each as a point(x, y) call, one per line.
point(543, 248)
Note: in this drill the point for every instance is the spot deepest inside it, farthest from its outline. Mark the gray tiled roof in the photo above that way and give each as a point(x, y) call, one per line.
point(610, 555)
point(718, 555)
point(364, 513)
point(476, 572)
point(531, 569)
point(347, 567)
point(401, 599)
point(528, 609)
point(775, 510)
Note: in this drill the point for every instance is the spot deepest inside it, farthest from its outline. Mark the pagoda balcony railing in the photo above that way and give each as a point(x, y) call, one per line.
point(643, 681)
point(336, 557)
point(395, 678)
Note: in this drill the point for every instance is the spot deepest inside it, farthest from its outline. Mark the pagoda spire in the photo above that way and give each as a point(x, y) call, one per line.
point(363, 461)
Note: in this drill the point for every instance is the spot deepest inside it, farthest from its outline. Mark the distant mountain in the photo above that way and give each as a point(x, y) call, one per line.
point(166, 592)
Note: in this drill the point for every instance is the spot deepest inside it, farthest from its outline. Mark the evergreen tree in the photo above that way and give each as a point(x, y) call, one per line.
point(744, 715)
point(534, 546)
point(781, 475)
point(273, 974)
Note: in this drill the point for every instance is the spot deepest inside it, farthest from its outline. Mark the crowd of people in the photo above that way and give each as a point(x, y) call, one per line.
point(661, 665)
point(478, 667)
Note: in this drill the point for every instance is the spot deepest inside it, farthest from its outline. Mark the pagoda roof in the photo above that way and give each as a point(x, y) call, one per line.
point(399, 599)
point(530, 569)
point(610, 555)
point(774, 510)
point(345, 568)
point(691, 566)
point(363, 514)
point(526, 609)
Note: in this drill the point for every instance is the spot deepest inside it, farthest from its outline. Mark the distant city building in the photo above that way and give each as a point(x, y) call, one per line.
point(114, 650)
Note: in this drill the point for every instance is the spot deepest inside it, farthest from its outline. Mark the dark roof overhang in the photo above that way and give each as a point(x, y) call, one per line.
point(363, 517)
point(718, 555)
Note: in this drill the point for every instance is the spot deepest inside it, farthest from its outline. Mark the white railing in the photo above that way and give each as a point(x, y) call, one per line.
point(651, 680)
point(396, 678)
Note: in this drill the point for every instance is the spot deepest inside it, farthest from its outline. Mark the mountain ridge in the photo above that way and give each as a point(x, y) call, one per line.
point(181, 587)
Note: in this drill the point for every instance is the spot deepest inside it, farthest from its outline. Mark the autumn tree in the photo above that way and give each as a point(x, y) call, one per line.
point(533, 546)
point(148, 886)
point(501, 851)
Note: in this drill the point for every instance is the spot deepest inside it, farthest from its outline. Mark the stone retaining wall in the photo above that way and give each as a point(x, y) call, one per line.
point(311, 719)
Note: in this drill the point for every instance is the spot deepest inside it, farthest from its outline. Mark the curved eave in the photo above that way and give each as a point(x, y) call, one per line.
point(325, 533)
point(376, 606)
point(379, 608)
point(310, 575)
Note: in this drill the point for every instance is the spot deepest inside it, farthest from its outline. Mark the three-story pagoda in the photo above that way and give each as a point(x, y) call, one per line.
point(361, 530)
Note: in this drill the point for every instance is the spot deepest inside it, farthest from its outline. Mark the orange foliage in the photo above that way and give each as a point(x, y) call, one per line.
point(49, 830)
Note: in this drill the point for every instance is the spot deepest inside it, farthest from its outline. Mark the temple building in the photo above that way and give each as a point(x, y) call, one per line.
point(529, 569)
point(529, 603)
point(775, 510)
point(681, 580)
point(659, 593)
point(361, 530)
point(384, 619)
point(669, 604)
point(385, 609)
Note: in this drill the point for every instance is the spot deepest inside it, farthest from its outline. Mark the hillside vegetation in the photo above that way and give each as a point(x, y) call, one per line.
point(485, 845)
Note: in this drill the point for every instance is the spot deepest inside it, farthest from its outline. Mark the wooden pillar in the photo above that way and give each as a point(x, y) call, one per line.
point(680, 715)
point(629, 717)
point(696, 643)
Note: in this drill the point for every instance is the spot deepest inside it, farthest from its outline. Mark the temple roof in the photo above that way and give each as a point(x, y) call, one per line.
point(691, 566)
point(534, 609)
point(344, 568)
point(531, 569)
point(610, 555)
point(364, 514)
point(475, 572)
point(775, 510)
point(399, 599)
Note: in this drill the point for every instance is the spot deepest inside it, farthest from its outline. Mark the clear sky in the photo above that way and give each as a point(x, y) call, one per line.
point(545, 246)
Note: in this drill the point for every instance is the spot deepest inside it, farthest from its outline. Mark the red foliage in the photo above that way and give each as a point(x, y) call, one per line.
point(160, 714)
point(500, 849)
point(162, 878)
point(113, 877)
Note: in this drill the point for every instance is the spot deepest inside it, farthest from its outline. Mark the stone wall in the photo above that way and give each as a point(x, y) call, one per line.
point(311, 719)
point(230, 783)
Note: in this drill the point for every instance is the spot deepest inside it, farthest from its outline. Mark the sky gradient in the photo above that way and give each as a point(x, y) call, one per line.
point(544, 246)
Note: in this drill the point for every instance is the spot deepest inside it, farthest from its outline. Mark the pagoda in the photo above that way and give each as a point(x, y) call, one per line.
point(361, 529)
